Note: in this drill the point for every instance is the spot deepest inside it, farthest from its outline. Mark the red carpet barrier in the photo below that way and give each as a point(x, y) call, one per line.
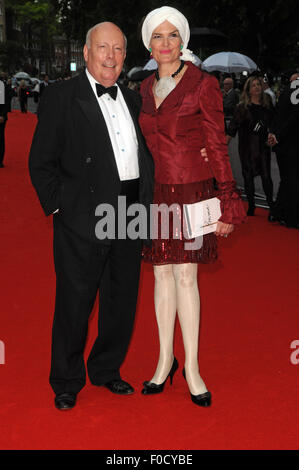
point(249, 318)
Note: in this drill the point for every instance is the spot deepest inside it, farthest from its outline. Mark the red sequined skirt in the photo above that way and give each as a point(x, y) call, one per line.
point(172, 249)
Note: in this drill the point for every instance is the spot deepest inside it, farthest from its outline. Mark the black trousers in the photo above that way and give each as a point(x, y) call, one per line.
point(286, 206)
point(81, 269)
point(267, 183)
point(23, 105)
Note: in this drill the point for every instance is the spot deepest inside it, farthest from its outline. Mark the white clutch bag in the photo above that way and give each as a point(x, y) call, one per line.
point(201, 217)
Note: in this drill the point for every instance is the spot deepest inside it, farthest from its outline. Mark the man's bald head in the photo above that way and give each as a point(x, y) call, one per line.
point(228, 83)
point(294, 76)
point(102, 25)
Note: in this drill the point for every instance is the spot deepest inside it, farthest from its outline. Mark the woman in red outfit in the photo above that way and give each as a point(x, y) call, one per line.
point(182, 113)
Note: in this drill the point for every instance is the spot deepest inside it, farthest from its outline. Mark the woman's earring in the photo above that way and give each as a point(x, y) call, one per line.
point(181, 49)
point(150, 50)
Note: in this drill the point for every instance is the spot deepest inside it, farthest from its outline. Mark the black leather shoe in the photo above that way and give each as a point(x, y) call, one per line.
point(119, 386)
point(272, 218)
point(65, 401)
point(292, 225)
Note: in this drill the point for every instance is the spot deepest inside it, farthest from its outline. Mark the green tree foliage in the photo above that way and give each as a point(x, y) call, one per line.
point(11, 56)
point(38, 13)
point(38, 22)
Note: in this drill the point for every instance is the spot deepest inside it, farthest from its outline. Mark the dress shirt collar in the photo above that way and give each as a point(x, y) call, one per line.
point(93, 82)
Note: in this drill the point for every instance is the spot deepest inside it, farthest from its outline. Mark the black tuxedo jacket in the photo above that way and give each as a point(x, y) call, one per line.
point(71, 162)
point(4, 108)
point(285, 121)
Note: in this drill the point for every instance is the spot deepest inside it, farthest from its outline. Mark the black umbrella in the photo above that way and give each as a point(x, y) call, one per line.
point(137, 74)
point(206, 37)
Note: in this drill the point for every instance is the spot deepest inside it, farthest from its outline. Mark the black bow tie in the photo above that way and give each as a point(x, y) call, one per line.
point(112, 90)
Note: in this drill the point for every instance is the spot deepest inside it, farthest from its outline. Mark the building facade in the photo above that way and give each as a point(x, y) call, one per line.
point(41, 55)
point(2, 21)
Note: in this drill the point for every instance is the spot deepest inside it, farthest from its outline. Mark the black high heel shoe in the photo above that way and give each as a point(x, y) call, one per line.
point(203, 399)
point(150, 388)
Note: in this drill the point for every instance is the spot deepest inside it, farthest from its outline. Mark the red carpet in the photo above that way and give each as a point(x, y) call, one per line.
point(249, 317)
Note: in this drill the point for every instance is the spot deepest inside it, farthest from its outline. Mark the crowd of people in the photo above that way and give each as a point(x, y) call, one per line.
point(265, 121)
point(20, 92)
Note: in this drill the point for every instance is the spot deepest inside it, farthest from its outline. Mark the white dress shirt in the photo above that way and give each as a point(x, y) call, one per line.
point(121, 131)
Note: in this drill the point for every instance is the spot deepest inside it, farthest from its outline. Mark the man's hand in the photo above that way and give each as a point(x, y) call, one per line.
point(1, 119)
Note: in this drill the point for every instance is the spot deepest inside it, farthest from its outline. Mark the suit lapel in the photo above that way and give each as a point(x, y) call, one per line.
point(99, 132)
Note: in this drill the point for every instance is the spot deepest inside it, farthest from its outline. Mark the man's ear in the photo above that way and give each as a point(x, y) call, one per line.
point(85, 52)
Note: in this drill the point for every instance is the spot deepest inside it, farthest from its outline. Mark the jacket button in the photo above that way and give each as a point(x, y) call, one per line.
point(91, 189)
point(88, 160)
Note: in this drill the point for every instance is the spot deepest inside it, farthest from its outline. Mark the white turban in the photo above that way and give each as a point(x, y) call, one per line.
point(173, 16)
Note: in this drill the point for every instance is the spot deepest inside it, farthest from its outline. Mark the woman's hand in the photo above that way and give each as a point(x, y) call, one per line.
point(223, 230)
point(272, 140)
point(204, 154)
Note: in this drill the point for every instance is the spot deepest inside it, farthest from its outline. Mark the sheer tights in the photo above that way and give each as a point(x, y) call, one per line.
point(176, 290)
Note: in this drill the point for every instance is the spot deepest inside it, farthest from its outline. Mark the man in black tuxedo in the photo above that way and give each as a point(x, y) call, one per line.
point(88, 150)
point(284, 130)
point(230, 97)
